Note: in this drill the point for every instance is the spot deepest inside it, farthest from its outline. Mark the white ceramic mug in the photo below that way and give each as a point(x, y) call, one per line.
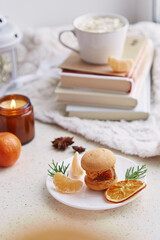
point(96, 47)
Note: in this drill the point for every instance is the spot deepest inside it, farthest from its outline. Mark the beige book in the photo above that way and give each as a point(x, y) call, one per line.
point(99, 82)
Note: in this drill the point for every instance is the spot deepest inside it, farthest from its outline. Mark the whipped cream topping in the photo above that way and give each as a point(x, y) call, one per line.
point(100, 24)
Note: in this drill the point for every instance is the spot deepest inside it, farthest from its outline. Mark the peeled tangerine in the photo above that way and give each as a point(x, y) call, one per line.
point(120, 65)
point(76, 170)
point(124, 190)
point(65, 184)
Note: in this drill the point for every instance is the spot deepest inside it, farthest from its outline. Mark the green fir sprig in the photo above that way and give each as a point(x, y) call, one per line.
point(57, 168)
point(131, 173)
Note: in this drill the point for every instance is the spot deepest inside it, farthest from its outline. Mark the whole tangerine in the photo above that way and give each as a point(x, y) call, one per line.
point(10, 149)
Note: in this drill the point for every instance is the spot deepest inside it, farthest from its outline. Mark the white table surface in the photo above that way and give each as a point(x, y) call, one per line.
point(26, 204)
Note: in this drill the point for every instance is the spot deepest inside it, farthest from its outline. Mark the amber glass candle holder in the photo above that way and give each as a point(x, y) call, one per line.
point(17, 117)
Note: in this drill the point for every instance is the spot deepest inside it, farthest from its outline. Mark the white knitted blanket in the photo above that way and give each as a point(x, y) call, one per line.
point(41, 50)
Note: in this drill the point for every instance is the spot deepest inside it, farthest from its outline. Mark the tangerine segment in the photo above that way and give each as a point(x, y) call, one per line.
point(123, 190)
point(76, 170)
point(120, 65)
point(65, 184)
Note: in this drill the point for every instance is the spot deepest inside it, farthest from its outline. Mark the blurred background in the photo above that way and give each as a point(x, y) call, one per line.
point(54, 13)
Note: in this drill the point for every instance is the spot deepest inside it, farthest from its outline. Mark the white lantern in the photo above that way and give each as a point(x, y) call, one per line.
point(10, 36)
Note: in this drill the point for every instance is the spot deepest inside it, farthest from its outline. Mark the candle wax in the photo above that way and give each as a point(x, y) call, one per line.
point(18, 103)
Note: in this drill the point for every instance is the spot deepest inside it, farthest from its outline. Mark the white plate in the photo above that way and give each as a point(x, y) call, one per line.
point(88, 199)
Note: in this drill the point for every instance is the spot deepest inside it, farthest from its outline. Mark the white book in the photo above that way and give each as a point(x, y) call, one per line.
point(141, 111)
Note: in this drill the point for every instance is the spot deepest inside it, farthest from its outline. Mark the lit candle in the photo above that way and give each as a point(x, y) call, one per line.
point(10, 104)
point(16, 116)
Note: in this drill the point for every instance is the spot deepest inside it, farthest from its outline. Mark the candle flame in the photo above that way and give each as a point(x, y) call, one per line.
point(13, 103)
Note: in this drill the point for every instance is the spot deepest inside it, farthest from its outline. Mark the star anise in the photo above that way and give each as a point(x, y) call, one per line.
point(78, 149)
point(62, 143)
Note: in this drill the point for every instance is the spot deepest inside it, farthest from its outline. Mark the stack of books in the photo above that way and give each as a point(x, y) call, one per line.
point(96, 92)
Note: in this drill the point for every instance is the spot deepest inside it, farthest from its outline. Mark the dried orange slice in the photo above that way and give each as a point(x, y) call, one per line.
point(123, 190)
point(65, 184)
point(76, 170)
point(120, 65)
